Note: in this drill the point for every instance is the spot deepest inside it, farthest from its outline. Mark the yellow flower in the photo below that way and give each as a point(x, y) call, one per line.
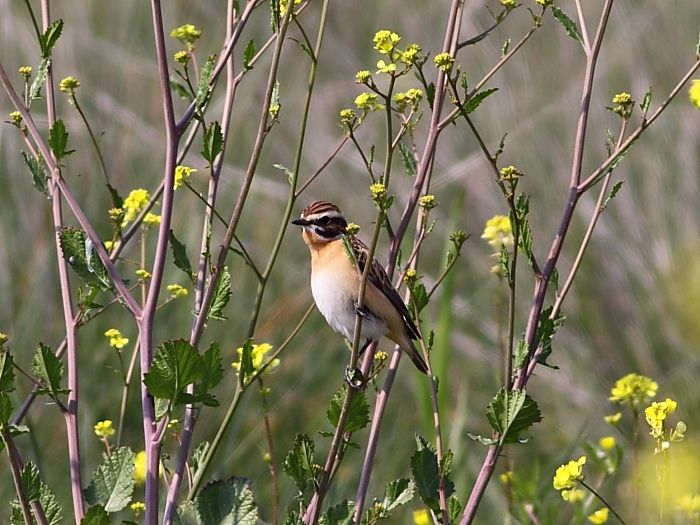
point(385, 67)
point(569, 474)
point(3, 338)
point(506, 477)
point(607, 443)
point(15, 118)
point(116, 339)
point(140, 468)
point(284, 4)
point(498, 232)
point(573, 495)
point(625, 104)
point(421, 517)
point(689, 503)
point(444, 62)
point(173, 424)
point(257, 355)
point(347, 116)
point(134, 203)
point(613, 419)
point(352, 228)
point(411, 55)
point(183, 175)
point(509, 4)
point(427, 202)
point(544, 2)
point(25, 71)
point(599, 517)
point(378, 191)
point(151, 219)
point(104, 429)
point(143, 274)
point(510, 173)
point(633, 389)
point(410, 98)
point(362, 76)
point(187, 34)
point(69, 84)
point(385, 41)
point(109, 245)
point(368, 102)
point(694, 92)
point(137, 507)
point(656, 415)
point(177, 291)
point(182, 57)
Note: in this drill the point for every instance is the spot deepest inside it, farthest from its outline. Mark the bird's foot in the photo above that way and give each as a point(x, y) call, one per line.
point(354, 378)
point(363, 312)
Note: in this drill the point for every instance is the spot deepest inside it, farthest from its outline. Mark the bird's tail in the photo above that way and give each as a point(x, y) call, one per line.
point(415, 356)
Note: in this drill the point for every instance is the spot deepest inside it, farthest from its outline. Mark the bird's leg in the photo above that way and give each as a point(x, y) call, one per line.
point(354, 377)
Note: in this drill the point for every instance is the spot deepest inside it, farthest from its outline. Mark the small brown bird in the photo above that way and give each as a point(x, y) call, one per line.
point(335, 281)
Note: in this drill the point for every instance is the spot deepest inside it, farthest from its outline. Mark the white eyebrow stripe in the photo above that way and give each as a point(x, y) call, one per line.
point(330, 214)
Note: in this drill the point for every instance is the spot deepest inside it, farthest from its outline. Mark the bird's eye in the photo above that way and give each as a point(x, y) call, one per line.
point(323, 221)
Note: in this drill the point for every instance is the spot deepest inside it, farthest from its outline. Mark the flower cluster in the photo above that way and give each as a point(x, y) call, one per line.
point(15, 118)
point(368, 102)
point(183, 175)
point(624, 105)
point(69, 85)
point(176, 291)
point(182, 57)
point(137, 507)
point(352, 228)
point(362, 77)
point(656, 416)
point(427, 202)
point(116, 339)
point(410, 98)
point(509, 4)
point(257, 356)
point(347, 116)
point(188, 34)
point(134, 203)
point(378, 191)
point(633, 389)
point(104, 429)
point(284, 5)
point(694, 93)
point(25, 71)
point(444, 62)
point(151, 219)
point(143, 274)
point(421, 517)
point(599, 517)
point(498, 232)
point(567, 477)
point(510, 173)
point(140, 467)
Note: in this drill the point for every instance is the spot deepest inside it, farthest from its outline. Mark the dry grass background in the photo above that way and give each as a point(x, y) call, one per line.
point(633, 307)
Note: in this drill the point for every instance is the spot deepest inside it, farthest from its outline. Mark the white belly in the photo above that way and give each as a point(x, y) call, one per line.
point(337, 304)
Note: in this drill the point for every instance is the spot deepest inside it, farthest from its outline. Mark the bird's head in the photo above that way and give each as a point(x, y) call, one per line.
point(322, 222)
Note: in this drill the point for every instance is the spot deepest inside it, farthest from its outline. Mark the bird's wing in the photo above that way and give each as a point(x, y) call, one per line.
point(379, 278)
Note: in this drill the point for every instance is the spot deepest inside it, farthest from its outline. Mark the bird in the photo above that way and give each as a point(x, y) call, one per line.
point(335, 282)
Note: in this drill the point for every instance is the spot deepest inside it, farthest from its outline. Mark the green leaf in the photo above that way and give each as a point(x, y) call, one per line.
point(40, 179)
point(481, 439)
point(409, 161)
point(568, 24)
point(646, 102)
point(419, 295)
point(546, 328)
point(180, 89)
point(430, 94)
point(96, 515)
point(58, 140)
point(39, 79)
point(454, 509)
point(213, 142)
point(476, 100)
point(340, 514)
point(613, 193)
point(398, 492)
point(176, 364)
point(299, 463)
point(212, 374)
point(510, 412)
point(80, 254)
point(52, 510)
point(48, 369)
point(358, 412)
point(204, 88)
point(31, 481)
point(289, 173)
point(293, 519)
point(520, 354)
point(16, 517)
point(180, 255)
point(227, 502)
point(117, 200)
point(5, 410)
point(248, 54)
point(198, 456)
point(113, 482)
point(222, 295)
point(275, 101)
point(7, 372)
point(187, 514)
point(505, 47)
point(50, 37)
point(424, 467)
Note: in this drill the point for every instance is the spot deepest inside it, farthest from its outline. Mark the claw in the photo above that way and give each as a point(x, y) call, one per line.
point(363, 312)
point(354, 378)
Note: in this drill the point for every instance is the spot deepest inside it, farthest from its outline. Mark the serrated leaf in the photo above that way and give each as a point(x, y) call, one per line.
point(613, 193)
point(222, 295)
point(569, 25)
point(248, 55)
point(510, 412)
point(454, 509)
point(430, 94)
point(175, 365)
point(39, 176)
point(198, 456)
point(58, 140)
point(424, 468)
point(204, 89)
point(31, 481)
point(50, 37)
point(358, 411)
point(212, 374)
point(289, 173)
point(113, 482)
point(228, 502)
point(48, 369)
point(340, 514)
point(80, 254)
point(180, 89)
point(520, 354)
point(419, 295)
point(39, 79)
point(16, 517)
point(187, 514)
point(293, 519)
point(52, 510)
point(299, 464)
point(398, 492)
point(180, 255)
point(96, 515)
point(213, 142)
point(546, 328)
point(5, 410)
point(476, 100)
point(409, 161)
point(646, 101)
point(7, 372)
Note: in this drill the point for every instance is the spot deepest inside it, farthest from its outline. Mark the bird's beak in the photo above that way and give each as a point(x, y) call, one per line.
point(300, 222)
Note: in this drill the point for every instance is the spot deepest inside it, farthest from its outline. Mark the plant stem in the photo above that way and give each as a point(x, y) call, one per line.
point(602, 500)
point(16, 468)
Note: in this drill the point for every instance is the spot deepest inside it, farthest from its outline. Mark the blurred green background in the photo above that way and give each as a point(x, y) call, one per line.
point(633, 306)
